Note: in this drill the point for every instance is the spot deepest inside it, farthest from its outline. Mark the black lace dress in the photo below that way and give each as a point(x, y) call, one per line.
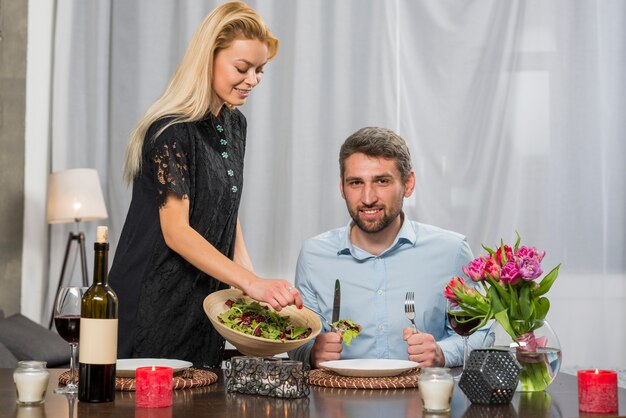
point(161, 294)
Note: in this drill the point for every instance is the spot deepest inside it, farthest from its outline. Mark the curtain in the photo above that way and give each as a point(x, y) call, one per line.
point(510, 109)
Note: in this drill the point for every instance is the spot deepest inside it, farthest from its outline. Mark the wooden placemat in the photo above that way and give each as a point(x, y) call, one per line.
point(329, 379)
point(188, 378)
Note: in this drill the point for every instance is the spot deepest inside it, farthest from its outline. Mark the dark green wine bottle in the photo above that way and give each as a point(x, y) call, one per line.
point(98, 331)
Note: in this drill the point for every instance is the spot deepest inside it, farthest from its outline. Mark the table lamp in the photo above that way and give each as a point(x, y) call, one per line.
point(75, 196)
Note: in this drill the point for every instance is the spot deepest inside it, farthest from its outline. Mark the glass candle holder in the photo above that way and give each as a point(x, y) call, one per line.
point(31, 382)
point(435, 387)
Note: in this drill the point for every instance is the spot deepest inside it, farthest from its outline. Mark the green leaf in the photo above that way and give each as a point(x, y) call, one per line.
point(503, 318)
point(515, 304)
point(518, 241)
point(489, 250)
point(542, 306)
point(525, 304)
point(547, 282)
point(506, 298)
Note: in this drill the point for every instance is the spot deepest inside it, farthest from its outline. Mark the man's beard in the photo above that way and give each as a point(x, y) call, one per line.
point(373, 227)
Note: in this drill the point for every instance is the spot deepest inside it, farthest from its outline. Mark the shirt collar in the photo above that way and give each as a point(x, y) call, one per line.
point(406, 235)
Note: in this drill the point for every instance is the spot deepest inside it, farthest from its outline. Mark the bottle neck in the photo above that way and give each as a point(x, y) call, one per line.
point(101, 263)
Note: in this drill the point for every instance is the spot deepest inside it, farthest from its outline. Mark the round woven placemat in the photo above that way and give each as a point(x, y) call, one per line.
point(189, 378)
point(328, 379)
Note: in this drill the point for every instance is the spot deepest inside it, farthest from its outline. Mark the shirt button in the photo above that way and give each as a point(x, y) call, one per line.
point(380, 292)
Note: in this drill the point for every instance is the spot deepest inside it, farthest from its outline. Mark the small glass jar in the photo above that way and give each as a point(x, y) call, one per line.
point(435, 387)
point(31, 382)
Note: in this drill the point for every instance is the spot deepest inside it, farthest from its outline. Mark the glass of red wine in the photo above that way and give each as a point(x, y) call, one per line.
point(67, 323)
point(463, 325)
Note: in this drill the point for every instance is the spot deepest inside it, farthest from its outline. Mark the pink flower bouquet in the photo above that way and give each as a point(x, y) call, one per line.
point(509, 289)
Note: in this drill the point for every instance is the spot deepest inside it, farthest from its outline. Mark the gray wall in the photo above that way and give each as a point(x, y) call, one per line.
point(13, 34)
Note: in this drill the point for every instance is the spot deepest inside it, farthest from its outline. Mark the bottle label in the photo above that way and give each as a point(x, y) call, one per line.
point(98, 341)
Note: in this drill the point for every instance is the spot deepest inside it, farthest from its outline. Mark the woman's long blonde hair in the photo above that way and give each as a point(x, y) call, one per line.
point(189, 95)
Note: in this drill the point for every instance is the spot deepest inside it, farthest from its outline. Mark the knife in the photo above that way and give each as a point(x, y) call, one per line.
point(336, 302)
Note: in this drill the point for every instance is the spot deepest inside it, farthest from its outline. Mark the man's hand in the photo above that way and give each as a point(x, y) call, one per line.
point(327, 347)
point(423, 349)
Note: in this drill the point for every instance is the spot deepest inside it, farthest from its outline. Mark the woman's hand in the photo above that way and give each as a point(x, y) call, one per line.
point(276, 292)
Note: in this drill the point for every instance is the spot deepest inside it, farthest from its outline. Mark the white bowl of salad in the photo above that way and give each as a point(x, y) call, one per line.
point(256, 329)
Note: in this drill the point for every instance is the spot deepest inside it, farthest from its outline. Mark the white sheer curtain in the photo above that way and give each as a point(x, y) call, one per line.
point(511, 110)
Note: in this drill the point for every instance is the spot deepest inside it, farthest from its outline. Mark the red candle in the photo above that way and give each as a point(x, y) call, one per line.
point(153, 387)
point(597, 391)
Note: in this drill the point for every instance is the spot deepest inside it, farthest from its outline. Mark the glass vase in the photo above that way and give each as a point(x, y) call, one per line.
point(537, 351)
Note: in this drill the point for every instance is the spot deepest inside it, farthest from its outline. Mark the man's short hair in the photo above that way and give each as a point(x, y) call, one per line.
point(377, 142)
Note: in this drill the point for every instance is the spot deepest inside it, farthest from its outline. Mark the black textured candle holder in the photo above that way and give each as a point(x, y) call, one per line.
point(267, 376)
point(490, 376)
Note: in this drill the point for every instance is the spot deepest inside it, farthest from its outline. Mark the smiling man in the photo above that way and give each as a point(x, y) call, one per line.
point(378, 257)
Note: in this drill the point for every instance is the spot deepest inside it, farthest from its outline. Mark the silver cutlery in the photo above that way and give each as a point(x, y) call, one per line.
point(332, 328)
point(409, 308)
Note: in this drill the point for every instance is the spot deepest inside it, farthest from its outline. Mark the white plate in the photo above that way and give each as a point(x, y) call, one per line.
point(369, 367)
point(125, 367)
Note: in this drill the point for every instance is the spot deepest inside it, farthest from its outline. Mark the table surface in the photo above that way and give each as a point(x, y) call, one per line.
point(560, 400)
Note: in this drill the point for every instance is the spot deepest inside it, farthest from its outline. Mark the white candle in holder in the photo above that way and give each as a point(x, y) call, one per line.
point(31, 381)
point(435, 387)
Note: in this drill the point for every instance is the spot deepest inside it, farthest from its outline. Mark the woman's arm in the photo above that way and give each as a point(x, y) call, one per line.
point(189, 244)
point(241, 256)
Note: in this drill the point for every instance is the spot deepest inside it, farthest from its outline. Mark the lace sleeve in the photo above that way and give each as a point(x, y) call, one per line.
point(170, 166)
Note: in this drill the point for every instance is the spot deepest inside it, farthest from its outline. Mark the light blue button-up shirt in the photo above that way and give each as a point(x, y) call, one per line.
point(422, 259)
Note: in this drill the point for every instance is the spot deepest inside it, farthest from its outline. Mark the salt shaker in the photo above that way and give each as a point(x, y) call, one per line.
point(31, 381)
point(435, 387)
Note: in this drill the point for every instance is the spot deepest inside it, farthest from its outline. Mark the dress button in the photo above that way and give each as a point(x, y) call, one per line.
point(233, 189)
point(230, 173)
point(219, 128)
point(224, 155)
point(223, 142)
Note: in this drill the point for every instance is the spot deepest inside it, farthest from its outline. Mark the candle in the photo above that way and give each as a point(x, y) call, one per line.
point(435, 388)
point(31, 381)
point(597, 391)
point(153, 387)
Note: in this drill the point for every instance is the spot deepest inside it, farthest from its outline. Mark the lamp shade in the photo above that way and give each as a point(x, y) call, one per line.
point(75, 196)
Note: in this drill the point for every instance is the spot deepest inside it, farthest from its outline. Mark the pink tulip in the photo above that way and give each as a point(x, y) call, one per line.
point(529, 268)
point(476, 269)
point(507, 251)
point(492, 267)
point(455, 283)
point(530, 252)
point(510, 273)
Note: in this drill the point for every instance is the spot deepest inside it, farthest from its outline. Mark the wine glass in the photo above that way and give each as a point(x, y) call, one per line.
point(67, 323)
point(463, 325)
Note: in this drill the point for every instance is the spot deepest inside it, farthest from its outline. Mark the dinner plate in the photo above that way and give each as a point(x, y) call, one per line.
point(126, 367)
point(369, 367)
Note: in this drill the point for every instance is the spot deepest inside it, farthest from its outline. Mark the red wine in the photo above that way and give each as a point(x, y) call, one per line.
point(462, 328)
point(98, 331)
point(68, 327)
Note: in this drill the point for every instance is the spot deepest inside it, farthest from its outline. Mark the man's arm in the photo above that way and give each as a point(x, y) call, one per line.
point(326, 346)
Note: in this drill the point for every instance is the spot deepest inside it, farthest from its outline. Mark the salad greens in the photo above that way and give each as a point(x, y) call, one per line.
point(348, 329)
point(255, 319)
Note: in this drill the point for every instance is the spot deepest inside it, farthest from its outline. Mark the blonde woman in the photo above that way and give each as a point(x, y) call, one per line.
point(182, 239)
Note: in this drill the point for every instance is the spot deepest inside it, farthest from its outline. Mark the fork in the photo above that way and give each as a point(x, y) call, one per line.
point(409, 308)
point(332, 328)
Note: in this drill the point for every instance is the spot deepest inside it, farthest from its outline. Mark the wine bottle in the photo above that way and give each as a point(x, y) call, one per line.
point(98, 331)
